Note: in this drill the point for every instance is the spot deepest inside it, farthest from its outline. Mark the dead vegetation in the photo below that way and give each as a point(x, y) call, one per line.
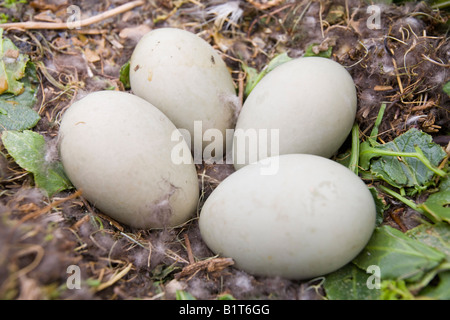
point(404, 63)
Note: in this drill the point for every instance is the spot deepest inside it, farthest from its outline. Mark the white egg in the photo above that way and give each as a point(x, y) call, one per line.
point(183, 76)
point(308, 219)
point(116, 148)
point(307, 105)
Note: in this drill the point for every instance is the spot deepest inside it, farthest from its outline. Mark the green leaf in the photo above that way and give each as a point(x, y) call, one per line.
point(12, 66)
point(93, 283)
point(28, 150)
point(17, 117)
point(253, 77)
point(395, 290)
point(3, 17)
point(446, 88)
point(124, 75)
point(442, 290)
point(398, 256)
point(16, 113)
point(380, 205)
point(435, 235)
point(437, 206)
point(11, 3)
point(309, 52)
point(349, 283)
point(183, 295)
point(52, 178)
point(162, 271)
point(278, 60)
point(418, 156)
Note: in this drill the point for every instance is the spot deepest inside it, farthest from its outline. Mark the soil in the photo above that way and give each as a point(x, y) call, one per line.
point(403, 63)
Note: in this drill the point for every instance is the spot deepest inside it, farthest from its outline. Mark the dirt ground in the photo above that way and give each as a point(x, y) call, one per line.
point(403, 63)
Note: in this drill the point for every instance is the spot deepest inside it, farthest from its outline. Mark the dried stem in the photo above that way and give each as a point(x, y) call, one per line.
point(64, 25)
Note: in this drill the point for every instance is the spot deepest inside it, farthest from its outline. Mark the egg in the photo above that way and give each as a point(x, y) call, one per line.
point(117, 149)
point(306, 105)
point(183, 76)
point(308, 218)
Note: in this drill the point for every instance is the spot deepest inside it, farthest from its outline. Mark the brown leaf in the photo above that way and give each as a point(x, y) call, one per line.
point(134, 33)
point(91, 55)
point(213, 266)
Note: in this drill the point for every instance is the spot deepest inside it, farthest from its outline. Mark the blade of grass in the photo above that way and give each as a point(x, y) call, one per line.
point(354, 159)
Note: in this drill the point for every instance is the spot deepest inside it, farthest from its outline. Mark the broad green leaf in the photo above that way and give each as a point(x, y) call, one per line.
point(323, 54)
point(12, 66)
point(438, 204)
point(17, 117)
point(436, 236)
point(409, 171)
point(277, 61)
point(52, 178)
point(125, 75)
point(28, 150)
point(349, 283)
point(398, 256)
point(15, 111)
point(442, 290)
point(433, 235)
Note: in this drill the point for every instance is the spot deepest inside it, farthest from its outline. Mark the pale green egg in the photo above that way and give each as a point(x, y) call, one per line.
point(184, 76)
point(310, 103)
point(304, 218)
point(117, 149)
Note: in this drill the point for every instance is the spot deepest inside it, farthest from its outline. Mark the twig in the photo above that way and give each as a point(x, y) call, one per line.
point(300, 17)
point(189, 249)
point(435, 62)
point(320, 19)
point(83, 23)
point(399, 81)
